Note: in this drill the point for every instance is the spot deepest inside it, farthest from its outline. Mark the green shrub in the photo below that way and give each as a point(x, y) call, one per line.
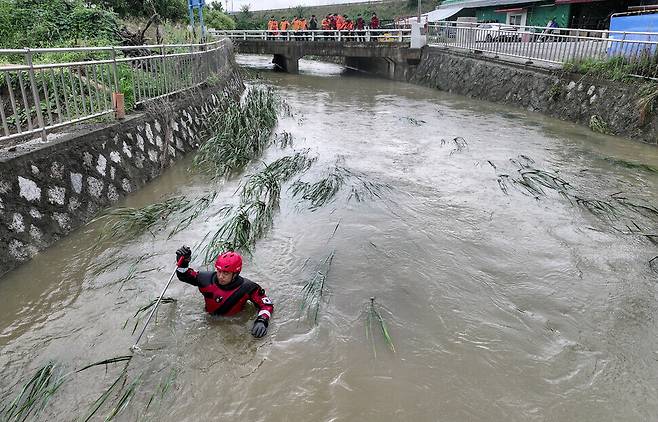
point(215, 19)
point(35, 23)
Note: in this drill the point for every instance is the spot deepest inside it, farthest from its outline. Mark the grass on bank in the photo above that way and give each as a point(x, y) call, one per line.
point(618, 68)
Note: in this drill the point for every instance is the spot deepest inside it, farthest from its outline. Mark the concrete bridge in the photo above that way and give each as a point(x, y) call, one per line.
point(382, 52)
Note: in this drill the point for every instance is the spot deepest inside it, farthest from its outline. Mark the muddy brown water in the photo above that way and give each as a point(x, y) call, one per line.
point(502, 307)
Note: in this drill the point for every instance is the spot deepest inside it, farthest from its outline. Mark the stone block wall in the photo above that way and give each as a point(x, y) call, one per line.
point(48, 191)
point(573, 97)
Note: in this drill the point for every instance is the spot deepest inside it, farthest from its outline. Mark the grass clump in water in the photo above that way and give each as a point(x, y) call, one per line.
point(313, 290)
point(248, 221)
point(192, 210)
point(35, 394)
point(146, 308)
point(323, 191)
point(597, 124)
point(239, 133)
point(459, 143)
point(373, 319)
point(622, 214)
point(128, 223)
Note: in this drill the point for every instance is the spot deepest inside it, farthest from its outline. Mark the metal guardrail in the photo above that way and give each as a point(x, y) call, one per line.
point(635, 51)
point(365, 35)
point(49, 88)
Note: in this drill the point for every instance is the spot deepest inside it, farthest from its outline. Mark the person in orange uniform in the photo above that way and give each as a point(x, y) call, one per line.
point(295, 26)
point(349, 26)
point(340, 22)
point(284, 26)
point(303, 26)
point(326, 23)
point(272, 27)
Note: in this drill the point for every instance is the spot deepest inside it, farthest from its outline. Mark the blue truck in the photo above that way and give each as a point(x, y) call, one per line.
point(639, 27)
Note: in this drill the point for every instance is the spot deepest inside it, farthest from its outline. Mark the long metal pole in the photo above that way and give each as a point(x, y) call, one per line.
point(419, 12)
point(155, 308)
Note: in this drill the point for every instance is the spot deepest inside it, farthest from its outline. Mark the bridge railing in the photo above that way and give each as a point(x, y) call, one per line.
point(635, 53)
point(48, 88)
point(365, 35)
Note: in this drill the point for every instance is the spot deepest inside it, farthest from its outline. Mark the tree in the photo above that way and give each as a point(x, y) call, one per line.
point(246, 20)
point(245, 12)
point(175, 10)
point(300, 11)
point(216, 5)
point(217, 20)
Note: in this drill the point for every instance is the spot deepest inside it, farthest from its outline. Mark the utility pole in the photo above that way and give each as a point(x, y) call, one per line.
point(419, 11)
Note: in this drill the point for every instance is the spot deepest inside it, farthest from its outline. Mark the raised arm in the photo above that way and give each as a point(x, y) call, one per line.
point(184, 273)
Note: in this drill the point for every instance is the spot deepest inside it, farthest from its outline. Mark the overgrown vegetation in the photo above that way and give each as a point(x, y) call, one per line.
point(617, 68)
point(36, 23)
point(129, 222)
point(67, 23)
point(240, 132)
point(648, 94)
point(33, 397)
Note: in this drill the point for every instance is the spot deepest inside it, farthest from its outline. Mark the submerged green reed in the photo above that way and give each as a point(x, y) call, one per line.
point(313, 290)
point(239, 133)
point(374, 318)
point(323, 191)
point(248, 221)
point(35, 394)
point(622, 214)
point(128, 223)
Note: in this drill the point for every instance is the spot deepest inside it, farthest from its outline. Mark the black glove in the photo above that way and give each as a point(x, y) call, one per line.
point(186, 253)
point(260, 327)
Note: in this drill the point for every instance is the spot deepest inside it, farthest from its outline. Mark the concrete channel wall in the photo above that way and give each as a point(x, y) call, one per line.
point(49, 189)
point(610, 106)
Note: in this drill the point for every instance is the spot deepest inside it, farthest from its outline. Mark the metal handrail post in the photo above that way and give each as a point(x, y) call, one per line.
point(163, 53)
point(115, 71)
point(35, 95)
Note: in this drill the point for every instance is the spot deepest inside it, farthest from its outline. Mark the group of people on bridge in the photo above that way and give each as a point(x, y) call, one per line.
point(332, 22)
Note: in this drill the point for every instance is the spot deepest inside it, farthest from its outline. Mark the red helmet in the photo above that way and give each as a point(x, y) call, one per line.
point(229, 261)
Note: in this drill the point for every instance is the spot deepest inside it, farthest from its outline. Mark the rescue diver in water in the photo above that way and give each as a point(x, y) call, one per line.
point(225, 291)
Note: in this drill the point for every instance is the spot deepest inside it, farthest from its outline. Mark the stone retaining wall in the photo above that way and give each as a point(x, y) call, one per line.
point(612, 106)
point(47, 191)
